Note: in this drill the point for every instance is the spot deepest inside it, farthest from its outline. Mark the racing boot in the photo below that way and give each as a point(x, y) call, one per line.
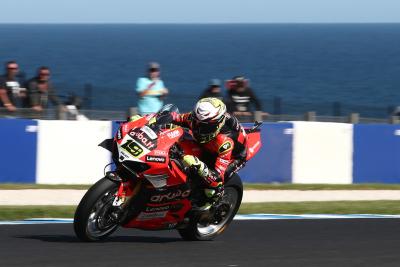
point(214, 189)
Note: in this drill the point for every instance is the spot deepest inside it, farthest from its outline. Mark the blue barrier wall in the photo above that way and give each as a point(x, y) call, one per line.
point(273, 163)
point(18, 141)
point(376, 154)
point(114, 126)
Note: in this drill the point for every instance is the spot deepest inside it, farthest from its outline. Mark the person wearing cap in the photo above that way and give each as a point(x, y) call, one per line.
point(241, 99)
point(151, 90)
point(213, 90)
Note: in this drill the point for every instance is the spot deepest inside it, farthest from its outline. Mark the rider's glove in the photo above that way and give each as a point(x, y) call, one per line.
point(164, 118)
point(134, 118)
point(193, 163)
point(215, 192)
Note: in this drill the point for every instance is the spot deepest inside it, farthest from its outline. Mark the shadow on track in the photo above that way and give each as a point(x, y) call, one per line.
point(112, 239)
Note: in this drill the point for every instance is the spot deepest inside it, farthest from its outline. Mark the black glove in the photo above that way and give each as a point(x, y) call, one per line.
point(163, 118)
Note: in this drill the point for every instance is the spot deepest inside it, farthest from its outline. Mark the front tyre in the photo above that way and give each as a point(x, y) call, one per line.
point(202, 229)
point(93, 220)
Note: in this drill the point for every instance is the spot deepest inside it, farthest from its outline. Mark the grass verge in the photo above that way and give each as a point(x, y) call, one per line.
point(24, 212)
point(329, 207)
point(247, 186)
point(43, 186)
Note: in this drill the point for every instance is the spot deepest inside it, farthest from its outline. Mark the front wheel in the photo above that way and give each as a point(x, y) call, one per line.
point(93, 219)
point(205, 228)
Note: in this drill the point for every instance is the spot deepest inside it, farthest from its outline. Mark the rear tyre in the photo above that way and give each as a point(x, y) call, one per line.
point(93, 220)
point(202, 229)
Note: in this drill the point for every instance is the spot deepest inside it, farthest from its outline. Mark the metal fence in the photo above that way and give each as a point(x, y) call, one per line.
point(73, 114)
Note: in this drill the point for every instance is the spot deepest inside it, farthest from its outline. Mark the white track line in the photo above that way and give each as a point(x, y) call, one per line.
point(260, 216)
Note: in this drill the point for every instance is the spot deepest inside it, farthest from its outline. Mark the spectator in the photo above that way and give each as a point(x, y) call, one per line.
point(241, 97)
point(11, 93)
point(151, 90)
point(41, 90)
point(213, 90)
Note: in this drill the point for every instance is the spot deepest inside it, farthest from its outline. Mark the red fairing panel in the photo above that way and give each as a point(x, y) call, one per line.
point(173, 204)
point(253, 144)
point(161, 218)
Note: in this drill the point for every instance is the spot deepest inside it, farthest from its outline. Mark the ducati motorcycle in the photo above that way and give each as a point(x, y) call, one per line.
point(151, 189)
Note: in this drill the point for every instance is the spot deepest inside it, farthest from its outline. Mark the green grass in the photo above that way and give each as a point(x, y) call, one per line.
point(43, 186)
point(24, 212)
point(246, 186)
point(329, 207)
point(322, 186)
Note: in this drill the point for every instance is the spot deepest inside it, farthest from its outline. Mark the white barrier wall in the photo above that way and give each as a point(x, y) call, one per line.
point(322, 153)
point(68, 151)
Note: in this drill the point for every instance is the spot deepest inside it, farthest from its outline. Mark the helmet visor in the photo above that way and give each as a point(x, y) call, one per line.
point(205, 131)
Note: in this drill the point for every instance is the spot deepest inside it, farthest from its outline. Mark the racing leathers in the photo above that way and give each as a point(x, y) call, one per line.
point(228, 149)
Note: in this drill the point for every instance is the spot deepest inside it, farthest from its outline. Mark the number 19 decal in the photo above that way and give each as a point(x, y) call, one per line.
point(133, 148)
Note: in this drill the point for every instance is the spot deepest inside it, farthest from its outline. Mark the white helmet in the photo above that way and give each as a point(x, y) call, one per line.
point(208, 117)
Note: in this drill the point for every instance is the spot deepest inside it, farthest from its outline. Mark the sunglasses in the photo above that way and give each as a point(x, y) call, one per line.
point(12, 68)
point(154, 70)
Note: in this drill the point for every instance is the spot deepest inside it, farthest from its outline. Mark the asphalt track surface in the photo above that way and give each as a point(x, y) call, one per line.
point(327, 242)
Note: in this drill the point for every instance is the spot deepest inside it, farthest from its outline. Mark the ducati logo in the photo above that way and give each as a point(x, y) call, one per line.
point(225, 147)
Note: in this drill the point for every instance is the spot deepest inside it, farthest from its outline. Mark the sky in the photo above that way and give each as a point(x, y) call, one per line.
point(199, 11)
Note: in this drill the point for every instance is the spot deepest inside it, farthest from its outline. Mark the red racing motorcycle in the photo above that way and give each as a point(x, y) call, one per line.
point(150, 188)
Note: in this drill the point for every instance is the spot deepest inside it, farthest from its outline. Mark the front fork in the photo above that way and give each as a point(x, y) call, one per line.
point(126, 191)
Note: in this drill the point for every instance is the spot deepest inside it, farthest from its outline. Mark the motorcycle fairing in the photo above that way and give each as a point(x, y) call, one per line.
point(253, 144)
point(167, 184)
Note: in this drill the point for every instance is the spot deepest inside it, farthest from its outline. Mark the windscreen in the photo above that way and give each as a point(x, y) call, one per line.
point(169, 108)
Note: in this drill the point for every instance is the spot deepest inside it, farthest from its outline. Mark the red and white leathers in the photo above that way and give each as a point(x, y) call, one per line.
point(228, 147)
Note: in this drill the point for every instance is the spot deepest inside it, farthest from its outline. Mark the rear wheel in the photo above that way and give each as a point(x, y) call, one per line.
point(93, 218)
point(207, 226)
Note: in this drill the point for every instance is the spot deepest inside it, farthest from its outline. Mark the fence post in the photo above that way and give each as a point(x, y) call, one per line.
point(310, 116)
point(61, 113)
point(88, 89)
point(132, 111)
point(394, 120)
point(354, 118)
point(337, 109)
point(277, 104)
point(258, 115)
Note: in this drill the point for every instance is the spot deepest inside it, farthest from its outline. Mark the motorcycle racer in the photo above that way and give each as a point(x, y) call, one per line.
point(222, 139)
point(220, 135)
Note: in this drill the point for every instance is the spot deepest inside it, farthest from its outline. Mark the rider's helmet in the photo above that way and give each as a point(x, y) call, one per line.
point(208, 118)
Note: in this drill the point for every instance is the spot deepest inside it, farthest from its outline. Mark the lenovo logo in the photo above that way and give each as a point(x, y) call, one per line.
point(157, 159)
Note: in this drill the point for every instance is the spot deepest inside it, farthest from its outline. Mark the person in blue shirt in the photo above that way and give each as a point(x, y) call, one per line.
point(151, 90)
